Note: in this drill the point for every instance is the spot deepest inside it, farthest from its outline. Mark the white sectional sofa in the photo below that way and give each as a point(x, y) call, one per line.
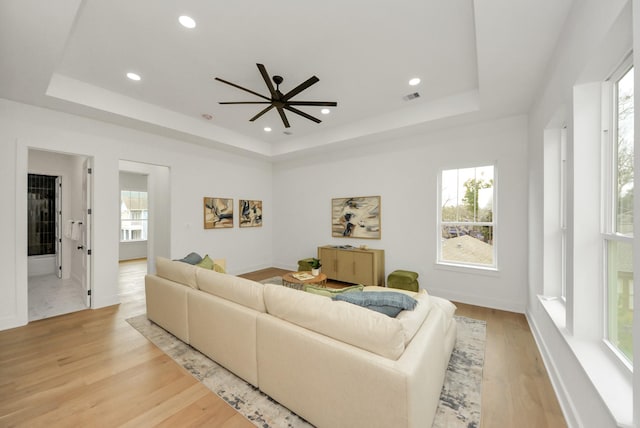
point(333, 363)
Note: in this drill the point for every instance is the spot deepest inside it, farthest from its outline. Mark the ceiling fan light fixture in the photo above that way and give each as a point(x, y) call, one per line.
point(187, 21)
point(325, 111)
point(133, 76)
point(415, 81)
point(279, 101)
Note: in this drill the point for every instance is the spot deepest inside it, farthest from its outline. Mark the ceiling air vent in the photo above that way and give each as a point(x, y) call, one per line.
point(411, 96)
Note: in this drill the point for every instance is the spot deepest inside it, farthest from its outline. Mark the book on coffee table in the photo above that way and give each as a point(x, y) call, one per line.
point(302, 276)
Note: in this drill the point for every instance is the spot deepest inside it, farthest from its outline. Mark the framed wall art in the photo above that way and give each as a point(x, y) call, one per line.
point(356, 217)
point(218, 213)
point(250, 213)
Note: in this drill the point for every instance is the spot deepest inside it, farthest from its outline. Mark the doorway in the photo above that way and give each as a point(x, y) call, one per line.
point(58, 226)
point(145, 201)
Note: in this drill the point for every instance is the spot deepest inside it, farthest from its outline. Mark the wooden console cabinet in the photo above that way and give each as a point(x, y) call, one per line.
point(353, 265)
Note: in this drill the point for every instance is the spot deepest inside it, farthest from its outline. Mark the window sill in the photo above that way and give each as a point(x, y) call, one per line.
point(612, 382)
point(133, 241)
point(476, 270)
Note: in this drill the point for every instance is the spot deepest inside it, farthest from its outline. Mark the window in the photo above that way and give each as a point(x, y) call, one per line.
point(467, 221)
point(618, 224)
point(133, 216)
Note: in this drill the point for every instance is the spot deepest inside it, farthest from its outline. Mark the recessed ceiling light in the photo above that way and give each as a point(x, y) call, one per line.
point(267, 129)
point(415, 81)
point(325, 111)
point(187, 21)
point(133, 76)
point(207, 116)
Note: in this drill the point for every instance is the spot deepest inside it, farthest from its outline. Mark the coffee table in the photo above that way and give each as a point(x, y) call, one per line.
point(289, 280)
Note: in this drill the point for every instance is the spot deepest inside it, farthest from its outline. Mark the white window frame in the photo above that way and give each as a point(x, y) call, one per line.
point(609, 194)
point(127, 233)
point(494, 223)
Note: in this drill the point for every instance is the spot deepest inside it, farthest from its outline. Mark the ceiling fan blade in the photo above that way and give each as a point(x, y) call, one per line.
point(283, 117)
point(244, 89)
point(313, 103)
point(303, 114)
point(244, 102)
point(261, 113)
point(267, 80)
point(301, 87)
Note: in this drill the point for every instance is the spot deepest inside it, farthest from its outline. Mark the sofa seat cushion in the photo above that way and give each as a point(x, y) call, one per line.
point(342, 321)
point(183, 273)
point(238, 290)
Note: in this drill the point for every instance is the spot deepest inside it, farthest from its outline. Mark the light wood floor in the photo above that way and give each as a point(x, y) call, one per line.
point(90, 368)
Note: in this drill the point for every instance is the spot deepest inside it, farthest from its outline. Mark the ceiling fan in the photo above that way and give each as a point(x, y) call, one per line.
point(279, 100)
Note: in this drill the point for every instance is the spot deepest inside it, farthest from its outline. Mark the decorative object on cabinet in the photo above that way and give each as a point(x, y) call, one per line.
point(356, 217)
point(353, 265)
point(218, 213)
point(250, 213)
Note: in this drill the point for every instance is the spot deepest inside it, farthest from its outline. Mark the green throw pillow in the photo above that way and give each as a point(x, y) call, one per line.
point(330, 292)
point(206, 262)
point(218, 268)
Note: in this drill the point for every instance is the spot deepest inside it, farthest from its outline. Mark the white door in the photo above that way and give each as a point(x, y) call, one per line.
point(86, 228)
point(58, 207)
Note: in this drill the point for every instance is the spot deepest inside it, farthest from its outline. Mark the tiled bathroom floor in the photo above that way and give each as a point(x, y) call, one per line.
point(50, 296)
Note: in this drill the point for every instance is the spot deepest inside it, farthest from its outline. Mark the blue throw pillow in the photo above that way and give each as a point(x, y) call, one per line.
point(387, 302)
point(191, 258)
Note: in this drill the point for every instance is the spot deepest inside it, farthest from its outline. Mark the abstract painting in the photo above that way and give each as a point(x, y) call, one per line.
point(218, 213)
point(357, 217)
point(250, 213)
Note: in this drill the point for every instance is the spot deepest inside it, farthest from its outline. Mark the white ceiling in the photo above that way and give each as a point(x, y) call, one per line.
point(476, 58)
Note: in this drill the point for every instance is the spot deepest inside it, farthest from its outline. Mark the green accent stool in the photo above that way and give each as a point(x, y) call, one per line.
point(403, 279)
point(305, 264)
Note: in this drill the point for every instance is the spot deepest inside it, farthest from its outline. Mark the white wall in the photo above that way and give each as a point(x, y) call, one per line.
point(195, 172)
point(585, 42)
point(404, 173)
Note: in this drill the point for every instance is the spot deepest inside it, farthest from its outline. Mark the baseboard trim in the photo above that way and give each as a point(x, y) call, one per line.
point(564, 398)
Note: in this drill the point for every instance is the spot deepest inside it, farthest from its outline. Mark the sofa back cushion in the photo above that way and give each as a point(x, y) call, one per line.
point(177, 271)
point(411, 321)
point(342, 321)
point(238, 290)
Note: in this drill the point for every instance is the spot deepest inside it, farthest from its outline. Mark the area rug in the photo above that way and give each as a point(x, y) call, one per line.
point(459, 401)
